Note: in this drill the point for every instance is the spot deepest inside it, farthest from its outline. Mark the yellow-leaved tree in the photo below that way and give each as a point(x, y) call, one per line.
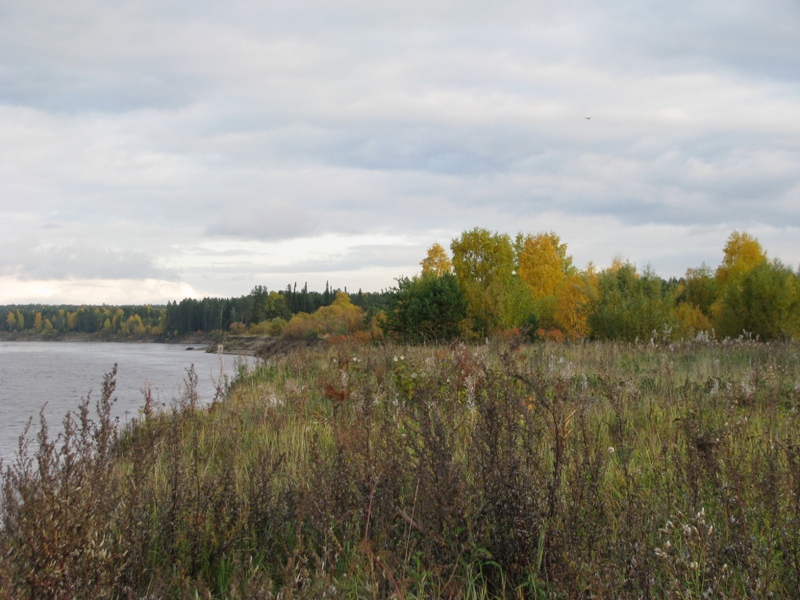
point(755, 296)
point(543, 263)
point(544, 266)
point(742, 253)
point(574, 301)
point(484, 265)
point(436, 262)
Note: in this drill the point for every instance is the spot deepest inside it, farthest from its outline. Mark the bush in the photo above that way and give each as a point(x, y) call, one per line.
point(238, 328)
point(340, 318)
point(272, 327)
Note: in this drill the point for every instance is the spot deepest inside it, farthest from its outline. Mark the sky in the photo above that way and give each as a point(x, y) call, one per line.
point(156, 150)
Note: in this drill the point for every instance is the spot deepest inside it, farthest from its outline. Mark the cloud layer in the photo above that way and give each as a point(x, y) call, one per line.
point(222, 146)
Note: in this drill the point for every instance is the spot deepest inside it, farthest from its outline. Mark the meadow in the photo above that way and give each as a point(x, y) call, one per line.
point(500, 470)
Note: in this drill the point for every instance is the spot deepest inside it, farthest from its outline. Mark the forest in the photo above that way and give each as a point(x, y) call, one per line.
point(488, 284)
point(242, 314)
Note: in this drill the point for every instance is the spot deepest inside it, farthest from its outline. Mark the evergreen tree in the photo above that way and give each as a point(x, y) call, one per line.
point(427, 308)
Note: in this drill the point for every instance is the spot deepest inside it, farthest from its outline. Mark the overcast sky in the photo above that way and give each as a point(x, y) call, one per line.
point(152, 150)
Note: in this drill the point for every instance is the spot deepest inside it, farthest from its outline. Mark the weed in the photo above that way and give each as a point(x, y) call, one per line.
point(497, 471)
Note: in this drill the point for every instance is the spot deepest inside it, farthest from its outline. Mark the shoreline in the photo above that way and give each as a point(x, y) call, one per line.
point(250, 345)
point(73, 336)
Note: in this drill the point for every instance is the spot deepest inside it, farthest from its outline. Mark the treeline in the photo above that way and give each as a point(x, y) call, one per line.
point(488, 284)
point(491, 283)
point(254, 312)
point(262, 311)
point(50, 320)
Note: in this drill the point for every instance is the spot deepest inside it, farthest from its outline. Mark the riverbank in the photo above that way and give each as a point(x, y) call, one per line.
point(494, 471)
point(261, 346)
point(246, 345)
point(76, 336)
point(198, 341)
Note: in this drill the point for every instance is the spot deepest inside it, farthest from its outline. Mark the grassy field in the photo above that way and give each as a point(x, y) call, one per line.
point(492, 471)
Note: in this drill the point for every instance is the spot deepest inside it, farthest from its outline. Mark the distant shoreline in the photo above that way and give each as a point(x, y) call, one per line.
point(75, 336)
point(249, 345)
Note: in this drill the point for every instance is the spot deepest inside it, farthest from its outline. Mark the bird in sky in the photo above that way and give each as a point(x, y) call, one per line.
point(587, 118)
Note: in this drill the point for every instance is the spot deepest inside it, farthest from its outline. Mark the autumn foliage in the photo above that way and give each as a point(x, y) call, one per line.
point(530, 284)
point(341, 317)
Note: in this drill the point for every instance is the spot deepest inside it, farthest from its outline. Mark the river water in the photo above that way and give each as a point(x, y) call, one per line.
point(57, 375)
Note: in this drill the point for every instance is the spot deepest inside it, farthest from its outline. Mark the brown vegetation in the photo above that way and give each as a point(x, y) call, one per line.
point(501, 470)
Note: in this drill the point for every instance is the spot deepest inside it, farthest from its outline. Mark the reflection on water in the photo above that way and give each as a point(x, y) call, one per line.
point(57, 375)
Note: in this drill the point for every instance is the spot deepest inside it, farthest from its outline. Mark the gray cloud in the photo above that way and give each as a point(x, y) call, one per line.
point(255, 129)
point(738, 35)
point(262, 220)
point(326, 255)
point(79, 261)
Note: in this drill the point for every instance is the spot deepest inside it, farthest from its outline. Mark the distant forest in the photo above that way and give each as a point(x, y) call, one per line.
point(188, 316)
point(488, 284)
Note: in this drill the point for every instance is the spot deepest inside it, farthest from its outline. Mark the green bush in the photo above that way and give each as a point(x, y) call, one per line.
point(428, 308)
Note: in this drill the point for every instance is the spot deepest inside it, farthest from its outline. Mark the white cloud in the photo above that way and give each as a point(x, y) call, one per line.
point(153, 128)
point(98, 291)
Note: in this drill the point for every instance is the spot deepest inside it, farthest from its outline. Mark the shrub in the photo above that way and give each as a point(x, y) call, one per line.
point(238, 328)
point(341, 317)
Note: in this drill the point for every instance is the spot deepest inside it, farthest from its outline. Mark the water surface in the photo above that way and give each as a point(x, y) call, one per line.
point(57, 375)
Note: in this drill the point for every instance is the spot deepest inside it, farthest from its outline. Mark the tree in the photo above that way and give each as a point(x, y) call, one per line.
point(573, 303)
point(428, 308)
point(520, 308)
point(742, 252)
point(258, 303)
point(277, 307)
point(135, 325)
point(629, 306)
point(764, 301)
point(699, 289)
point(543, 266)
point(117, 321)
point(697, 292)
point(734, 311)
point(484, 265)
point(436, 262)
point(543, 263)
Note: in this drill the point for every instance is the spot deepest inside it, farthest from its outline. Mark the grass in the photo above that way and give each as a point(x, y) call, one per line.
point(493, 471)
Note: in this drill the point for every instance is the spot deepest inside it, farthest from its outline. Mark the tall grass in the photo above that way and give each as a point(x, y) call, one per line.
point(502, 470)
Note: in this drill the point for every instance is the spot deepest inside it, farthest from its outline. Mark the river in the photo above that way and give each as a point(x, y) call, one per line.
point(57, 375)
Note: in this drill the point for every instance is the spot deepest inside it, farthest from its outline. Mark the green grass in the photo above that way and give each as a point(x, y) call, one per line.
point(494, 471)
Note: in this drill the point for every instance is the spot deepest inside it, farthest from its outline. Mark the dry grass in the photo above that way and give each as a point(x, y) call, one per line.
point(503, 470)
